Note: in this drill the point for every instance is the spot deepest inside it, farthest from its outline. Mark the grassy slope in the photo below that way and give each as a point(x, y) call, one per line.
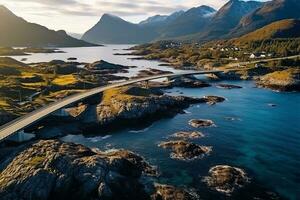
point(289, 28)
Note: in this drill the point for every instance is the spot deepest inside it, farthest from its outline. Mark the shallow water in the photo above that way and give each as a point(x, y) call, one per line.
point(263, 140)
point(92, 54)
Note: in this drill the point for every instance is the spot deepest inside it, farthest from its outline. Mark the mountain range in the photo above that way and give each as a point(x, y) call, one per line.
point(203, 23)
point(15, 31)
point(199, 24)
point(113, 29)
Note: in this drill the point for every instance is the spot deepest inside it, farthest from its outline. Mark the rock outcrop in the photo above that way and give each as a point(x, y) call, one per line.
point(211, 100)
point(56, 170)
point(183, 150)
point(129, 103)
point(168, 192)
point(197, 123)
point(188, 135)
point(151, 72)
point(189, 82)
point(226, 179)
point(104, 67)
point(286, 80)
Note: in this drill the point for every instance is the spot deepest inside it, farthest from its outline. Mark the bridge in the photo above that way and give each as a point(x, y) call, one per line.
point(21, 123)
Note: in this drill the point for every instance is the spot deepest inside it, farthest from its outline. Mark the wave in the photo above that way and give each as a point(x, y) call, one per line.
point(140, 131)
point(99, 138)
point(186, 112)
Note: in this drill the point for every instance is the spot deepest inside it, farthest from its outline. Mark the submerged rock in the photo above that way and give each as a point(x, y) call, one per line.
point(197, 123)
point(232, 119)
point(57, 170)
point(188, 135)
point(228, 86)
point(184, 150)
point(168, 192)
point(226, 179)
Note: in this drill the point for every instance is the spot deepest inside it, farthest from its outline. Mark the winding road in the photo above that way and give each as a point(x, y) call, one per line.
point(21, 123)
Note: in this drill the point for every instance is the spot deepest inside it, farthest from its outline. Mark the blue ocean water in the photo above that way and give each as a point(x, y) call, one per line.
point(251, 134)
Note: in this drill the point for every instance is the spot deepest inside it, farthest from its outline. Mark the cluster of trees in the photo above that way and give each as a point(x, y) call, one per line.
point(285, 63)
point(280, 47)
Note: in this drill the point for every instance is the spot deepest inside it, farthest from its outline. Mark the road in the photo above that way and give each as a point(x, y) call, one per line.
point(14, 126)
point(262, 60)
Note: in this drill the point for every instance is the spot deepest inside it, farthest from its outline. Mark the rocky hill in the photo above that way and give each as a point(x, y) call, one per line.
point(203, 23)
point(114, 30)
point(16, 31)
point(52, 169)
point(192, 21)
point(289, 28)
point(270, 12)
point(227, 18)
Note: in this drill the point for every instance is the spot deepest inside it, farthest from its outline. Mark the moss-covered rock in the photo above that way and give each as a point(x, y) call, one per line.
point(286, 80)
point(57, 170)
point(183, 150)
point(226, 179)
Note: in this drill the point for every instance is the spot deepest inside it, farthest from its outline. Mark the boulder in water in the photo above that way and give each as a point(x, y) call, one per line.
point(226, 179)
point(197, 123)
point(183, 150)
point(188, 135)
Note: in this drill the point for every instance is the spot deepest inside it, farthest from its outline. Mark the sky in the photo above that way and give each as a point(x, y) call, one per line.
point(77, 16)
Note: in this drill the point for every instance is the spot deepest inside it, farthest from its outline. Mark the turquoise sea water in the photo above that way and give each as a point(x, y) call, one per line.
point(263, 140)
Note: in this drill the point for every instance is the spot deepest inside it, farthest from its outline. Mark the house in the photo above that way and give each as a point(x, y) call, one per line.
point(263, 56)
point(255, 55)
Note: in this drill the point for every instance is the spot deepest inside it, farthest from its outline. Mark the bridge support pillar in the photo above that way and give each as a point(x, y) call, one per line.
point(21, 136)
point(145, 84)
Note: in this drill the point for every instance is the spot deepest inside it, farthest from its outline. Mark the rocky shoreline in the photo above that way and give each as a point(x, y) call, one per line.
point(56, 170)
point(52, 169)
point(124, 107)
point(286, 80)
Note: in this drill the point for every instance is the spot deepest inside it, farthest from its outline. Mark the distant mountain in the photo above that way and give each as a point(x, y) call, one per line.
point(155, 20)
point(227, 18)
point(15, 31)
point(288, 28)
point(161, 20)
point(75, 35)
point(203, 23)
point(114, 30)
point(191, 21)
point(270, 12)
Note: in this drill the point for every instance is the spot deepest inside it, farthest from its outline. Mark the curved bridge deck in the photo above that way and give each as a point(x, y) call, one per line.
point(18, 124)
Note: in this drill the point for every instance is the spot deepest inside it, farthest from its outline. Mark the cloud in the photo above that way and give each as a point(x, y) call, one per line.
point(97, 7)
point(75, 15)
